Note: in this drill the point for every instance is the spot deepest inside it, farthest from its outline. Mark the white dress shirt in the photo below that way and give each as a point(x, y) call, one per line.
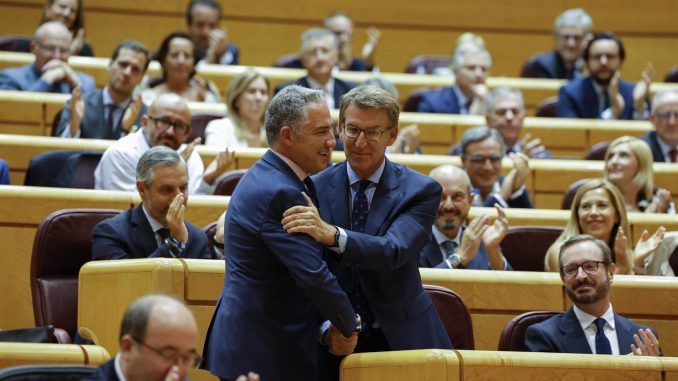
point(589, 327)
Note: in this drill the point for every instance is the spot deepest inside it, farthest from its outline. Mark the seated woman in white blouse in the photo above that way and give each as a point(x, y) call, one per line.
point(247, 97)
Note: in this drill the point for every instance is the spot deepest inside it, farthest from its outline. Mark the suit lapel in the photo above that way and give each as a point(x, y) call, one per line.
point(574, 340)
point(141, 232)
point(338, 198)
point(624, 334)
point(95, 118)
point(384, 197)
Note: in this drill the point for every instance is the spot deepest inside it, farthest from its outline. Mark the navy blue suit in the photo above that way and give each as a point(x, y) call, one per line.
point(563, 334)
point(522, 201)
point(442, 101)
point(578, 99)
point(340, 87)
point(550, 65)
point(266, 319)
point(432, 257)
point(356, 65)
point(129, 235)
point(26, 78)
point(4, 172)
point(105, 372)
point(651, 139)
point(387, 254)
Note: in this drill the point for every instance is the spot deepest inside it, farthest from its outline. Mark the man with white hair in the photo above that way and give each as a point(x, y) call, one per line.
point(663, 141)
point(50, 73)
point(571, 31)
point(470, 64)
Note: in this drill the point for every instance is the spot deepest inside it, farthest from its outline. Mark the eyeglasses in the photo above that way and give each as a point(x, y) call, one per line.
point(370, 134)
point(575, 37)
point(480, 159)
point(180, 128)
point(502, 112)
point(589, 267)
point(53, 49)
point(171, 355)
point(666, 114)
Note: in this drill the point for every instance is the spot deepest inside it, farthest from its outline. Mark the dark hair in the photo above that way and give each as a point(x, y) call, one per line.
point(604, 247)
point(135, 319)
point(164, 50)
point(208, 3)
point(604, 36)
point(78, 23)
point(133, 45)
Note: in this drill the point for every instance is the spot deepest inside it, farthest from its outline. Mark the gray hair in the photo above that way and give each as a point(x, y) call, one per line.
point(135, 319)
point(317, 33)
point(333, 15)
point(289, 108)
point(459, 55)
point(663, 96)
point(155, 157)
point(478, 134)
point(379, 81)
point(573, 17)
point(607, 253)
point(500, 93)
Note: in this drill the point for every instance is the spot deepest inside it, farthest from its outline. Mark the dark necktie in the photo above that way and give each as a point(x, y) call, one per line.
point(602, 343)
point(312, 193)
point(606, 101)
point(673, 155)
point(110, 121)
point(164, 233)
point(450, 248)
point(355, 292)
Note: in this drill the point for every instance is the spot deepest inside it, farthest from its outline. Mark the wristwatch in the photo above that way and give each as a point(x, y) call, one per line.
point(336, 237)
point(358, 324)
point(454, 260)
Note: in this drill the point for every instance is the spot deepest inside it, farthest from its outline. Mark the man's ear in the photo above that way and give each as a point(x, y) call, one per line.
point(285, 136)
point(141, 188)
point(33, 46)
point(126, 344)
point(611, 268)
point(392, 135)
point(144, 120)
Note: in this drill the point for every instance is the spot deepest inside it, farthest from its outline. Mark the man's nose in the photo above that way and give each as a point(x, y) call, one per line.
point(603, 59)
point(447, 202)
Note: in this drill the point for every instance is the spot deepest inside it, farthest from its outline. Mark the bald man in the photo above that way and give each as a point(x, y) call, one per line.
point(454, 245)
point(50, 73)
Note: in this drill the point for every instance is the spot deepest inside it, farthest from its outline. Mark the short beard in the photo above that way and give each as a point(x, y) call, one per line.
point(599, 293)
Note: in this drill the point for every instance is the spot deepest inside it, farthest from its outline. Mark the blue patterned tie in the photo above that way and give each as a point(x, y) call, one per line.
point(355, 293)
point(450, 248)
point(602, 343)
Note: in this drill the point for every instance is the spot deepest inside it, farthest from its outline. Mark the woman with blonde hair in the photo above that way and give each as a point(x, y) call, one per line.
point(628, 165)
point(598, 209)
point(247, 98)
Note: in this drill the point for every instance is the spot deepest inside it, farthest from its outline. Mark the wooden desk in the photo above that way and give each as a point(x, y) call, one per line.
point(16, 354)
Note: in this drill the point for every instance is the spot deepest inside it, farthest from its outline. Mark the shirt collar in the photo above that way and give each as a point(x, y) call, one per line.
point(374, 178)
point(109, 101)
point(118, 369)
point(585, 319)
point(328, 87)
point(295, 168)
point(441, 237)
point(664, 146)
point(155, 225)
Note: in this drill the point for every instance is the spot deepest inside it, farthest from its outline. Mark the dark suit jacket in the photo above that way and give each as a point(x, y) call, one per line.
point(93, 124)
point(522, 201)
point(578, 99)
point(432, 257)
point(105, 372)
point(340, 87)
point(266, 319)
point(651, 139)
point(550, 65)
point(563, 334)
point(129, 235)
point(442, 101)
point(356, 65)
point(26, 78)
point(387, 254)
point(4, 172)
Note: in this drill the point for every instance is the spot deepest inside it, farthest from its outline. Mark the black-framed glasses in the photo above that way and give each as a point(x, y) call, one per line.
point(180, 127)
point(667, 114)
point(480, 159)
point(589, 267)
point(172, 355)
point(370, 134)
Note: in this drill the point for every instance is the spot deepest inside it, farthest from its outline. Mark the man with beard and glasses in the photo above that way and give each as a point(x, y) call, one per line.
point(603, 94)
point(591, 325)
point(454, 245)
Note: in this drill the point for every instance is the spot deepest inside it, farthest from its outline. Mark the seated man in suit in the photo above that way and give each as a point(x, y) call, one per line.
point(571, 31)
point(376, 218)
point(663, 141)
point(482, 151)
point(4, 172)
point(212, 44)
point(111, 112)
point(50, 73)
point(319, 55)
point(591, 325)
point(158, 338)
point(167, 123)
point(470, 64)
point(156, 228)
point(603, 94)
point(455, 246)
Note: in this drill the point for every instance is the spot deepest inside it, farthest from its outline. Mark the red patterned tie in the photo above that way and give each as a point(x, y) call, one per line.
point(673, 155)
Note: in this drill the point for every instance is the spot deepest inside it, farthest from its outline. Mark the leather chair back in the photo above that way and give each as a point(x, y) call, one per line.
point(62, 245)
point(80, 169)
point(426, 64)
point(513, 336)
point(547, 108)
point(673, 261)
point(597, 152)
point(228, 182)
point(525, 246)
point(15, 43)
point(199, 123)
point(47, 373)
point(292, 60)
point(672, 76)
point(412, 101)
point(529, 69)
point(454, 314)
point(568, 197)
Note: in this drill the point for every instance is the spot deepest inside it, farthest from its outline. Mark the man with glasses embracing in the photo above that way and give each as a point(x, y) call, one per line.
point(482, 150)
point(50, 73)
point(167, 123)
point(157, 342)
point(591, 325)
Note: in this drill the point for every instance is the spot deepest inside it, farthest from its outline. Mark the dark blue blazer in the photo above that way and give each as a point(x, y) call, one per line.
point(266, 319)
point(578, 99)
point(129, 235)
point(340, 87)
point(442, 101)
point(432, 257)
point(105, 372)
point(93, 124)
point(387, 254)
point(4, 172)
point(522, 201)
point(651, 139)
point(551, 65)
point(26, 78)
point(563, 334)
